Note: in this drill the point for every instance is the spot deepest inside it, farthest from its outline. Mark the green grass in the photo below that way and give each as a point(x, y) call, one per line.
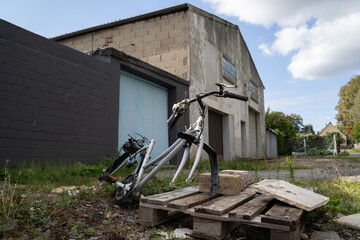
point(350, 159)
point(355, 151)
point(49, 176)
point(344, 198)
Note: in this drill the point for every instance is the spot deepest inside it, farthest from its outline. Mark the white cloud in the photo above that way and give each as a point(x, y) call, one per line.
point(315, 100)
point(322, 36)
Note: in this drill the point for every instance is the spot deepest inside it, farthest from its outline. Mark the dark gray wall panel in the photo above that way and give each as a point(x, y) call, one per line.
point(54, 101)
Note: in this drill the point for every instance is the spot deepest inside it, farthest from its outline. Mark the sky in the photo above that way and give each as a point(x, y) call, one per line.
point(304, 50)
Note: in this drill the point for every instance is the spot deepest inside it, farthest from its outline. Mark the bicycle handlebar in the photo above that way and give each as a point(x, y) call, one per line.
point(180, 107)
point(235, 96)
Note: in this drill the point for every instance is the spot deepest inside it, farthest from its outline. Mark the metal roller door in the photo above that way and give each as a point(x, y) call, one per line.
point(252, 135)
point(143, 109)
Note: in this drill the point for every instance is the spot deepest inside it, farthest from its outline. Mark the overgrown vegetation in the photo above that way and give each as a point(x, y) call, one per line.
point(27, 209)
point(344, 198)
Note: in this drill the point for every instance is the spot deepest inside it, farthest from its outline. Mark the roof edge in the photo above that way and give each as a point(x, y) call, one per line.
point(165, 11)
point(130, 59)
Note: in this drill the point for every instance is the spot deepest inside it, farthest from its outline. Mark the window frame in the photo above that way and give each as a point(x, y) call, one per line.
point(230, 72)
point(253, 91)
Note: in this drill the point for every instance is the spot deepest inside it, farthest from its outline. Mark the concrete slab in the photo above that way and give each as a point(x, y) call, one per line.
point(351, 221)
point(317, 235)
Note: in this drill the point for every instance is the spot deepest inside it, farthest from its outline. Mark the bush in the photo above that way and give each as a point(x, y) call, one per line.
point(280, 142)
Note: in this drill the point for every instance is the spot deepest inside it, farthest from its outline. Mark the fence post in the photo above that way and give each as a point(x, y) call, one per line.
point(335, 147)
point(305, 146)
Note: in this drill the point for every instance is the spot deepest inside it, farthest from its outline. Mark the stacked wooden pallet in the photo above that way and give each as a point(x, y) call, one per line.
point(215, 217)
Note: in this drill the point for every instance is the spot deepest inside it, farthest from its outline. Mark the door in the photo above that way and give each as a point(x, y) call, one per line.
point(143, 109)
point(243, 139)
point(216, 132)
point(252, 135)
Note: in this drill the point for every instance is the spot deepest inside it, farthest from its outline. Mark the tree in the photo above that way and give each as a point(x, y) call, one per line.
point(278, 120)
point(355, 109)
point(347, 95)
point(296, 120)
point(307, 129)
point(356, 132)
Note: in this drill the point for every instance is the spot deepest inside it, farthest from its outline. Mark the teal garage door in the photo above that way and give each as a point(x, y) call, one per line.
point(143, 110)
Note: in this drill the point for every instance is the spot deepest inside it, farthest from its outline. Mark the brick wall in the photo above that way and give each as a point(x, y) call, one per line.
point(54, 101)
point(161, 41)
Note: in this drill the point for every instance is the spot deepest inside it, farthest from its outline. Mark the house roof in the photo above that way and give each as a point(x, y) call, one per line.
point(179, 8)
point(330, 124)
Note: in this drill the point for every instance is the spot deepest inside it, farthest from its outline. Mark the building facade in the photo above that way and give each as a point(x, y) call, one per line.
point(203, 49)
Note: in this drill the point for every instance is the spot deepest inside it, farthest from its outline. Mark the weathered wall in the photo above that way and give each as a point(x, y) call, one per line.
point(161, 41)
point(54, 101)
point(271, 144)
point(210, 39)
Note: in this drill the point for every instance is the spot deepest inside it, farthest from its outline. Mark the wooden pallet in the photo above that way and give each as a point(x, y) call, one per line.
point(215, 217)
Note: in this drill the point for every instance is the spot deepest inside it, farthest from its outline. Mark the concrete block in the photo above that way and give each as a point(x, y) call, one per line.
point(137, 26)
point(351, 221)
point(149, 51)
point(163, 21)
point(167, 27)
point(228, 183)
point(162, 49)
point(177, 32)
point(162, 35)
point(166, 57)
point(149, 37)
point(167, 42)
point(153, 59)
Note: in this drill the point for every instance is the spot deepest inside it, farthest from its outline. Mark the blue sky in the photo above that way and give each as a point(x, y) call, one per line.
point(304, 50)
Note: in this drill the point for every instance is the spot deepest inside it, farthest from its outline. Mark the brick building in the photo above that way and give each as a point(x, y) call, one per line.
point(203, 49)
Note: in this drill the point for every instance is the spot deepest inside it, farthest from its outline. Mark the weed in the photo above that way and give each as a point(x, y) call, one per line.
point(161, 184)
point(89, 232)
point(256, 174)
point(10, 199)
point(291, 168)
point(65, 199)
point(278, 171)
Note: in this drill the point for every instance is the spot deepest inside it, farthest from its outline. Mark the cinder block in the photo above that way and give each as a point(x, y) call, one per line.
point(230, 184)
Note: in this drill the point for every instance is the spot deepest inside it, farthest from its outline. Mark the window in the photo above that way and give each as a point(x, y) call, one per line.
point(228, 71)
point(254, 91)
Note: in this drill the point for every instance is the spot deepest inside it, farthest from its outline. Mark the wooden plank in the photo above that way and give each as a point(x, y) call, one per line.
point(223, 204)
point(165, 198)
point(256, 221)
point(250, 209)
point(150, 216)
point(188, 202)
point(209, 229)
point(283, 214)
point(291, 194)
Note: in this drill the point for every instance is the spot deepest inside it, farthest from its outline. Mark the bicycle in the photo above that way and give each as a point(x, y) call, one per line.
point(142, 147)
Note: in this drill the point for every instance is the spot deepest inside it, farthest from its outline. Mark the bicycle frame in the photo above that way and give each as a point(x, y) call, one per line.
point(193, 135)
